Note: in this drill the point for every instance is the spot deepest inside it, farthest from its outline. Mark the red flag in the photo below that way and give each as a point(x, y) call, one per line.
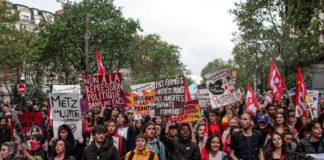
point(204, 152)
point(100, 66)
point(275, 81)
point(251, 102)
point(301, 96)
point(187, 93)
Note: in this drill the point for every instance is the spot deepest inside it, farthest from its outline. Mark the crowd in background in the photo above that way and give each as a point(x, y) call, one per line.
point(274, 133)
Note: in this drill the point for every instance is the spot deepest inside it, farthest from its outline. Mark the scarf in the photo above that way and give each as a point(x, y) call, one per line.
point(118, 141)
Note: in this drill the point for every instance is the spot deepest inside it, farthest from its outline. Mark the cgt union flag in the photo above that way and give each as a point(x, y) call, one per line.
point(99, 62)
point(301, 96)
point(275, 81)
point(251, 103)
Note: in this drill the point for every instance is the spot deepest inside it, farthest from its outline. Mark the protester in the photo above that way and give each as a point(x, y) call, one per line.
point(213, 149)
point(4, 130)
point(200, 136)
point(289, 141)
point(8, 151)
point(281, 124)
point(100, 148)
point(183, 148)
point(214, 127)
point(233, 122)
point(248, 143)
point(315, 143)
point(75, 146)
point(141, 152)
point(153, 142)
point(277, 150)
point(37, 148)
point(126, 131)
point(62, 150)
point(113, 136)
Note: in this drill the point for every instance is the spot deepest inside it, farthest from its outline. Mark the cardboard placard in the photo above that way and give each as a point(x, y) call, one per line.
point(221, 88)
point(76, 127)
point(203, 97)
point(191, 113)
point(65, 106)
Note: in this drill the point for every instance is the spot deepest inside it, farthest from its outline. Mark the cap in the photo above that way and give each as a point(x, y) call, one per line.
point(262, 118)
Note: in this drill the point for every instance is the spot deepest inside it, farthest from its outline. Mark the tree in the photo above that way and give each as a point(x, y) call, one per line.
point(274, 28)
point(215, 65)
point(110, 32)
point(155, 59)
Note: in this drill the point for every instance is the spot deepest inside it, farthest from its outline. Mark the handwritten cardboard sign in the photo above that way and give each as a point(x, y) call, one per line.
point(65, 106)
point(169, 98)
point(221, 88)
point(104, 90)
point(191, 113)
point(76, 127)
point(203, 97)
point(313, 102)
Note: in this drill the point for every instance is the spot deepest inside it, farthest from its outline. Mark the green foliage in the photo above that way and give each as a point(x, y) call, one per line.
point(213, 66)
point(287, 30)
point(110, 32)
point(155, 59)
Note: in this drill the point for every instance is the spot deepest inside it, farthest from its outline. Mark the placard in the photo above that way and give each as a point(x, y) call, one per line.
point(76, 127)
point(313, 102)
point(170, 98)
point(65, 106)
point(66, 89)
point(203, 97)
point(221, 88)
point(104, 90)
point(191, 113)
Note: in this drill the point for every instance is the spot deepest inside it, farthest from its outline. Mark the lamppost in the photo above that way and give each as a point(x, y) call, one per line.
point(51, 77)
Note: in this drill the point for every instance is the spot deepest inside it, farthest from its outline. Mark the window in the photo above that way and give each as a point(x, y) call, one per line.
point(24, 17)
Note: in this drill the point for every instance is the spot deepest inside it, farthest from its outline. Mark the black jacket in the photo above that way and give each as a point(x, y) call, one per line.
point(107, 152)
point(181, 149)
point(305, 146)
point(5, 134)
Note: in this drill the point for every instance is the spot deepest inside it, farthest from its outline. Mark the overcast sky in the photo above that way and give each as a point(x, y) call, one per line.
point(201, 28)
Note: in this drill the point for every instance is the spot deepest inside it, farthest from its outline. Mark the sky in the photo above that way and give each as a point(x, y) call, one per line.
point(201, 28)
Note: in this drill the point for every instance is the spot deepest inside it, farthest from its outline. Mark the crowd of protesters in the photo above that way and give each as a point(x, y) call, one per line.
point(274, 133)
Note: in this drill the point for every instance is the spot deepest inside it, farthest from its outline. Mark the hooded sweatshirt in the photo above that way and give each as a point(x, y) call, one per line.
point(158, 148)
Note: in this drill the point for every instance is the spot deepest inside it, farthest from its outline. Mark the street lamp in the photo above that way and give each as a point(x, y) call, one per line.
point(51, 77)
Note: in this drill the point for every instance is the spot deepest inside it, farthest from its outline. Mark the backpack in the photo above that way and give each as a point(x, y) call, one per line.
point(151, 157)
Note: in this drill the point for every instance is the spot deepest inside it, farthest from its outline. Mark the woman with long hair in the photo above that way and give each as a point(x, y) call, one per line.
point(62, 150)
point(281, 124)
point(213, 149)
point(200, 136)
point(277, 149)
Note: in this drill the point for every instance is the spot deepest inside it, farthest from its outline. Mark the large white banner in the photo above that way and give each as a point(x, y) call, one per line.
point(221, 88)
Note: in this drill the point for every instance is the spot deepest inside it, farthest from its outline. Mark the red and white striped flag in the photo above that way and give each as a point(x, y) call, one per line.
point(275, 81)
point(301, 96)
point(251, 103)
point(101, 68)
